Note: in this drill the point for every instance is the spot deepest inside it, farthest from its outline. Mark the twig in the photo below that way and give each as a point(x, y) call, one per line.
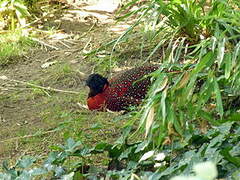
point(28, 136)
point(40, 87)
point(71, 42)
point(10, 88)
point(45, 44)
point(86, 45)
point(82, 75)
point(82, 106)
point(65, 44)
point(84, 34)
point(50, 58)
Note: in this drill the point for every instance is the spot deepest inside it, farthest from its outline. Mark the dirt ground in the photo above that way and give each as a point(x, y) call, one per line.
point(33, 119)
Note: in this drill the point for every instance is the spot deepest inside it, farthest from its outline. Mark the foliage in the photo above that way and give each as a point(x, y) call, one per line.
point(191, 113)
point(204, 171)
point(199, 65)
point(220, 145)
point(12, 45)
point(13, 12)
point(197, 84)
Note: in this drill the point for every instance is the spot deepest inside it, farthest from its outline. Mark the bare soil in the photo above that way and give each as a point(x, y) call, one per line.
point(28, 115)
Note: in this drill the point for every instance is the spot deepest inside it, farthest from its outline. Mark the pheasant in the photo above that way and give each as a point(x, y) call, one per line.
point(124, 90)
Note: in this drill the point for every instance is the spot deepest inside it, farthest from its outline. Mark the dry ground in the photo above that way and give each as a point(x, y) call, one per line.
point(33, 119)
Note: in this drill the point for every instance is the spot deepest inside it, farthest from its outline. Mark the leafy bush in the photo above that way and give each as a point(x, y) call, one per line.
point(198, 78)
point(204, 171)
point(191, 113)
point(196, 86)
point(220, 145)
point(13, 12)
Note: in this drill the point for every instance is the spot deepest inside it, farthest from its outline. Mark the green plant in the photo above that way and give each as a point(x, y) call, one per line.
point(196, 86)
point(204, 171)
point(21, 170)
point(200, 61)
point(220, 145)
point(13, 44)
point(12, 11)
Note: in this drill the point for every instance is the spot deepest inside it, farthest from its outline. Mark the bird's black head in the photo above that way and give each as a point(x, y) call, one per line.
point(96, 84)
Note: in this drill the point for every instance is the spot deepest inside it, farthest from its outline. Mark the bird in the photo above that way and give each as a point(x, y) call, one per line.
point(126, 89)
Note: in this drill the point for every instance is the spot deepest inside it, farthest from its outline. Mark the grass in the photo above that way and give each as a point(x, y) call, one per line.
point(12, 46)
point(52, 119)
point(59, 114)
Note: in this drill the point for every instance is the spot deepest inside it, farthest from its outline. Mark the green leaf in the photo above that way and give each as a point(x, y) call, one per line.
point(52, 156)
point(228, 64)
point(3, 5)
point(102, 147)
point(25, 162)
point(125, 134)
point(206, 61)
point(236, 53)
point(125, 154)
point(176, 123)
point(68, 176)
point(142, 146)
point(5, 165)
point(129, 14)
point(218, 98)
point(24, 176)
point(161, 43)
point(71, 145)
point(234, 117)
point(5, 176)
point(207, 116)
point(182, 81)
point(163, 105)
point(221, 51)
point(55, 148)
point(236, 175)
point(59, 171)
point(206, 90)
point(37, 171)
point(226, 154)
point(225, 128)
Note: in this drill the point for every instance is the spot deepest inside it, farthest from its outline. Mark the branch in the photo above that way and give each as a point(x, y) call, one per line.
point(28, 136)
point(37, 86)
point(45, 44)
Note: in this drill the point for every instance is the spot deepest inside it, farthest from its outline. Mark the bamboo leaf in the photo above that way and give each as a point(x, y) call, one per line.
point(163, 105)
point(236, 54)
point(206, 93)
point(149, 121)
point(218, 98)
point(183, 82)
point(228, 64)
point(207, 116)
point(155, 49)
point(204, 62)
point(174, 121)
point(221, 51)
point(189, 90)
point(162, 85)
point(227, 155)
